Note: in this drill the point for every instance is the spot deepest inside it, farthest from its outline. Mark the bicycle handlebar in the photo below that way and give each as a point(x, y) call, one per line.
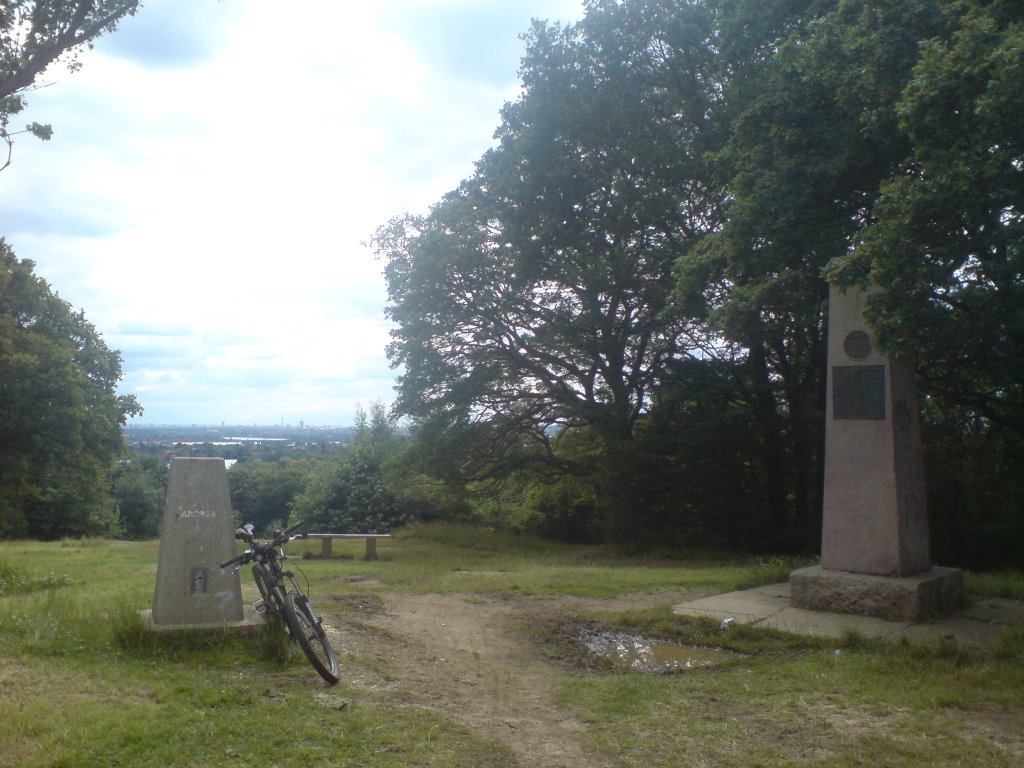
point(250, 553)
point(240, 559)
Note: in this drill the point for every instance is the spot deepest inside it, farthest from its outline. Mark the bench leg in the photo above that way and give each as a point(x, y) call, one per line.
point(325, 547)
point(371, 549)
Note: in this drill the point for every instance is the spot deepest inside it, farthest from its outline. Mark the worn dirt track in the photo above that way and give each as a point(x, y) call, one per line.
point(466, 656)
point(462, 657)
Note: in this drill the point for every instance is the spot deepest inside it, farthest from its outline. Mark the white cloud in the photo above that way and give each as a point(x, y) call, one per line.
point(216, 169)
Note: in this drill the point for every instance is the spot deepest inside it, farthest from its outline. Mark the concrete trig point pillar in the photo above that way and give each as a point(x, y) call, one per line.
point(198, 534)
point(875, 556)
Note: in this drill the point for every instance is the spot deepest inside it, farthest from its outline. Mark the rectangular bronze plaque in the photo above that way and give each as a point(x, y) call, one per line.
point(858, 392)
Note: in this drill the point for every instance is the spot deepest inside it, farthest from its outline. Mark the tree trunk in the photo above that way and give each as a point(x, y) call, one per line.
point(772, 525)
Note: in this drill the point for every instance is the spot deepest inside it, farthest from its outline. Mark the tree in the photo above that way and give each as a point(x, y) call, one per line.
point(139, 490)
point(947, 245)
point(945, 249)
point(743, 152)
point(60, 414)
point(262, 492)
point(355, 492)
point(536, 298)
point(810, 103)
point(35, 34)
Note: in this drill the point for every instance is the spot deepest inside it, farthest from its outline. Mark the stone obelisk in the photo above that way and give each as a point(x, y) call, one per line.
point(875, 557)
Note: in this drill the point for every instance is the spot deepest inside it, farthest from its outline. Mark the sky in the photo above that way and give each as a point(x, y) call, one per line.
point(217, 169)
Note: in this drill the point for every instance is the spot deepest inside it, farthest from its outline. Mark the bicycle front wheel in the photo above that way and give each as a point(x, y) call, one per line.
point(309, 632)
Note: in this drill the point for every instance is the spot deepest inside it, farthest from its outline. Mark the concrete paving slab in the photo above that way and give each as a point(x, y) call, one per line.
point(956, 630)
point(770, 606)
point(804, 622)
point(996, 611)
point(745, 607)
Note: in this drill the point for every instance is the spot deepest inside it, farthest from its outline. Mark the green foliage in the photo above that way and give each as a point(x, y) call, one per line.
point(947, 245)
point(355, 493)
point(41, 132)
point(60, 414)
point(946, 250)
point(700, 470)
point(139, 490)
point(262, 492)
point(347, 494)
point(566, 510)
point(536, 298)
point(975, 476)
point(16, 582)
point(625, 305)
point(811, 134)
point(35, 34)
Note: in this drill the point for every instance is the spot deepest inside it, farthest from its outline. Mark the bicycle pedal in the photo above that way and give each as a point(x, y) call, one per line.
point(260, 606)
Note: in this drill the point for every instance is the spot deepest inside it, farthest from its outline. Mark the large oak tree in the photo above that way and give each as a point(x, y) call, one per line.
point(536, 298)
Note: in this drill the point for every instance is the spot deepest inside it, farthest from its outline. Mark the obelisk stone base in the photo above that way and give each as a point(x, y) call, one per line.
point(931, 593)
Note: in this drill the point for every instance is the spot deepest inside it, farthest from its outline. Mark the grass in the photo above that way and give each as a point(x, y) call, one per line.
point(810, 702)
point(1004, 584)
point(83, 684)
point(455, 559)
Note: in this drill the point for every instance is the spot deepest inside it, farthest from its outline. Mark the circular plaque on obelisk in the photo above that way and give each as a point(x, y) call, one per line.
point(857, 345)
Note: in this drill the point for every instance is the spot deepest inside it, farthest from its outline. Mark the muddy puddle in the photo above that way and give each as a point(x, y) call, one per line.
point(643, 654)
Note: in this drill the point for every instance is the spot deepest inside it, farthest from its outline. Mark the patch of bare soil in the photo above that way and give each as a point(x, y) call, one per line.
point(457, 655)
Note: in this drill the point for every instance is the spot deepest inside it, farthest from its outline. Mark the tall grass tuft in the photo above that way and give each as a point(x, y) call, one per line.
point(273, 642)
point(130, 631)
point(17, 582)
point(133, 636)
point(1005, 584)
point(1011, 645)
point(772, 570)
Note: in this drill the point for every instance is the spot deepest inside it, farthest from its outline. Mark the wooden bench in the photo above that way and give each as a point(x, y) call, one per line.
point(327, 538)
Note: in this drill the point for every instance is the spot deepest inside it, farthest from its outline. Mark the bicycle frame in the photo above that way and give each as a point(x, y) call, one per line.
point(290, 605)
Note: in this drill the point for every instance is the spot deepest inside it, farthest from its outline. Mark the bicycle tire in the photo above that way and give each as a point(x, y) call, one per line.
point(311, 637)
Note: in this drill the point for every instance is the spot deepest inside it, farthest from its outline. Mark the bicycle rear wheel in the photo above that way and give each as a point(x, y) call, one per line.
point(309, 633)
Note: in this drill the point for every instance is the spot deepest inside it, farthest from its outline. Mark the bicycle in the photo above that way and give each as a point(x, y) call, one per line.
point(281, 596)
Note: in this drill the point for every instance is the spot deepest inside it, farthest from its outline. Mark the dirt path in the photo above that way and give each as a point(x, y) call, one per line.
point(458, 655)
point(463, 656)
